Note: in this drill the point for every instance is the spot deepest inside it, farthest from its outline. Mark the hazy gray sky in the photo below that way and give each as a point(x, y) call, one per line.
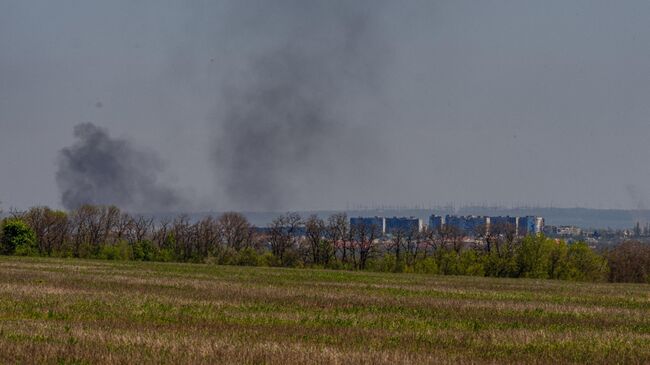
point(498, 102)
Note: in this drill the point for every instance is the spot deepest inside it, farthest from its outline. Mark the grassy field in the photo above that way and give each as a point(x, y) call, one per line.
point(78, 311)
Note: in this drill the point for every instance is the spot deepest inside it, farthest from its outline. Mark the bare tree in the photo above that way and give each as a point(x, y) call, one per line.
point(82, 227)
point(207, 236)
point(338, 231)
point(234, 231)
point(181, 237)
point(500, 238)
point(429, 240)
point(107, 222)
point(629, 262)
point(405, 244)
point(283, 234)
point(413, 245)
point(139, 229)
point(320, 245)
point(161, 234)
point(365, 239)
point(50, 227)
point(396, 243)
point(122, 227)
point(449, 237)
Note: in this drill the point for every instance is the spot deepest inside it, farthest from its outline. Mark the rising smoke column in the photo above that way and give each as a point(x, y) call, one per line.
point(100, 169)
point(281, 119)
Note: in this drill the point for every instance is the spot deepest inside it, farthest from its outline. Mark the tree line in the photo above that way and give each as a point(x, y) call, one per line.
point(106, 232)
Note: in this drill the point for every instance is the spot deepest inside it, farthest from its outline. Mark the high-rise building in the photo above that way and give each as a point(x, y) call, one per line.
point(436, 222)
point(503, 224)
point(530, 225)
point(470, 225)
point(376, 223)
point(403, 224)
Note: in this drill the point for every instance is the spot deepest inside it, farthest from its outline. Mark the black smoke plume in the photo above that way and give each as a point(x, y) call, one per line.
point(282, 118)
point(100, 169)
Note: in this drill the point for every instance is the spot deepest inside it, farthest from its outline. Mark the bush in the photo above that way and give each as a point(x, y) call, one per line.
point(18, 238)
point(269, 259)
point(559, 262)
point(119, 251)
point(291, 258)
point(584, 264)
point(501, 265)
point(449, 262)
point(248, 257)
point(629, 262)
point(426, 266)
point(222, 256)
point(534, 257)
point(471, 263)
point(164, 255)
point(335, 264)
point(144, 251)
point(386, 263)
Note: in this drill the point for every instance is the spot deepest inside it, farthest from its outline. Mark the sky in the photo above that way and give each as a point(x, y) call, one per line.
point(299, 105)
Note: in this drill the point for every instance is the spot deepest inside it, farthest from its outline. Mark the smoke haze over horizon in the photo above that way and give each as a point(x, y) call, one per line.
point(292, 105)
point(282, 125)
point(103, 170)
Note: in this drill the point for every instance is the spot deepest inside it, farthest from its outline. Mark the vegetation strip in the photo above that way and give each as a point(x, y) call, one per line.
point(85, 311)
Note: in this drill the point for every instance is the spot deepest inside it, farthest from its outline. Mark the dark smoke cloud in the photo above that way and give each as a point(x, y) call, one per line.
point(100, 169)
point(283, 115)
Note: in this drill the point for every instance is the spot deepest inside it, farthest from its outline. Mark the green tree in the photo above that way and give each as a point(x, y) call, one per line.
point(585, 264)
point(629, 262)
point(449, 262)
point(248, 257)
point(559, 261)
point(500, 264)
point(471, 263)
point(534, 257)
point(426, 266)
point(18, 238)
point(144, 251)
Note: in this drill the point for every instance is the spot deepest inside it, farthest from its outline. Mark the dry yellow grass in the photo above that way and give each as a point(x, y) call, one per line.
point(76, 311)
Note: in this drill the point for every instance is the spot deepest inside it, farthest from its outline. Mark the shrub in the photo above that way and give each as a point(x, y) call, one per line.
point(448, 262)
point(584, 264)
point(18, 238)
point(534, 257)
point(386, 263)
point(558, 262)
point(426, 266)
point(248, 257)
point(629, 262)
point(144, 251)
point(335, 264)
point(470, 263)
point(269, 259)
point(498, 264)
point(164, 255)
point(291, 258)
point(119, 251)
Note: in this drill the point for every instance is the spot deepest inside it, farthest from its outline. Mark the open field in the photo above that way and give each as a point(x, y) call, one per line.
point(78, 311)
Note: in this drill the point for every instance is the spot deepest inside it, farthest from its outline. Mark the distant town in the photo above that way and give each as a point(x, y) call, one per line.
point(474, 228)
point(469, 225)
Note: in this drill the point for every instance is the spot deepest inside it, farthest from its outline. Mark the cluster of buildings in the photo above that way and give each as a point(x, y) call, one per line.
point(563, 231)
point(471, 225)
point(385, 226)
point(468, 225)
